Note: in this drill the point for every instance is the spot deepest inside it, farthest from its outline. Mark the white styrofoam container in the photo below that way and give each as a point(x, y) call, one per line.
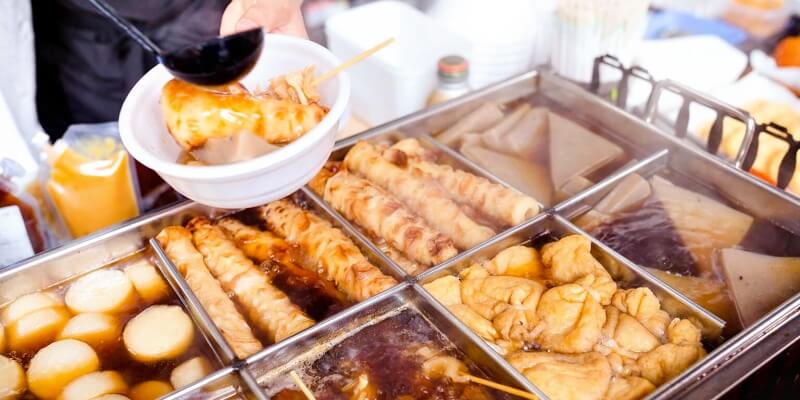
point(246, 183)
point(398, 79)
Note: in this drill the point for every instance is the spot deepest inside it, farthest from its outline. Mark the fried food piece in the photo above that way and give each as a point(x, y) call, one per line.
point(521, 261)
point(565, 376)
point(480, 325)
point(283, 261)
point(158, 333)
point(27, 304)
point(683, 332)
point(629, 388)
point(643, 305)
point(94, 384)
point(410, 267)
point(443, 366)
point(149, 390)
point(572, 320)
point(12, 378)
point(37, 329)
point(419, 192)
point(148, 282)
point(56, 365)
point(668, 361)
point(190, 371)
point(509, 302)
point(570, 259)
point(101, 331)
point(496, 201)
point(194, 114)
point(106, 290)
point(177, 243)
point(447, 290)
point(338, 258)
point(626, 334)
point(266, 306)
point(382, 215)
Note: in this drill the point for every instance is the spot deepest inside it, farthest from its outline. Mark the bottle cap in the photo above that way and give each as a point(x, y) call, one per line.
point(453, 68)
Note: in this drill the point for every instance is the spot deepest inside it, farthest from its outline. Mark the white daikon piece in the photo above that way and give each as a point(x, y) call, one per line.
point(190, 371)
point(37, 329)
point(97, 329)
point(158, 333)
point(93, 385)
point(12, 379)
point(58, 364)
point(27, 304)
point(106, 291)
point(148, 282)
point(149, 390)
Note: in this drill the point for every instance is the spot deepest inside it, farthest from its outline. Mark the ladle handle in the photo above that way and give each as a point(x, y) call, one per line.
point(126, 26)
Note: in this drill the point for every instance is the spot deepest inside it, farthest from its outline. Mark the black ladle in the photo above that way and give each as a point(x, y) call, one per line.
point(216, 62)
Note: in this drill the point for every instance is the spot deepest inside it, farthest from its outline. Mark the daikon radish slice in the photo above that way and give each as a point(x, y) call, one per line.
point(96, 329)
point(58, 364)
point(190, 371)
point(27, 304)
point(37, 329)
point(12, 379)
point(148, 282)
point(93, 385)
point(158, 333)
point(107, 290)
point(150, 390)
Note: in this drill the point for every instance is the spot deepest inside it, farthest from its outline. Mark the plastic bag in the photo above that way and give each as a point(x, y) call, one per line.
point(22, 234)
point(89, 179)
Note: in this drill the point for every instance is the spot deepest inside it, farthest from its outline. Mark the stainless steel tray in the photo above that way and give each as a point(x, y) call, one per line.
point(732, 360)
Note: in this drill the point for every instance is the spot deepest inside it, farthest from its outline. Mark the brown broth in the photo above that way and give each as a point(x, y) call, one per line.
point(318, 297)
point(647, 237)
point(114, 356)
point(386, 353)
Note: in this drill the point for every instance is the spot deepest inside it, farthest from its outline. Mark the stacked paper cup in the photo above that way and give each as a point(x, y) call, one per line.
point(585, 29)
point(501, 35)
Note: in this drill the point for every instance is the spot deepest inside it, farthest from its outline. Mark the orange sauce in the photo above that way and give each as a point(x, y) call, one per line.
point(93, 188)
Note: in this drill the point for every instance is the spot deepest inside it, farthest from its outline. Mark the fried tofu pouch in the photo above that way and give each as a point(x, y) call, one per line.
point(565, 376)
point(382, 215)
point(503, 204)
point(177, 243)
point(422, 194)
point(338, 258)
point(266, 306)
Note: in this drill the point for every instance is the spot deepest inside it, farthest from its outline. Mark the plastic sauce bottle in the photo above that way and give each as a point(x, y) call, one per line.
point(453, 72)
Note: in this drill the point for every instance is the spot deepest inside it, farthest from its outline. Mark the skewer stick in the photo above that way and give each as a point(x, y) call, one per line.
point(303, 388)
point(349, 63)
point(503, 388)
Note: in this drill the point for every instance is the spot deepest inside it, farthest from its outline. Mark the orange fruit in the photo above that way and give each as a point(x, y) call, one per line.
point(787, 53)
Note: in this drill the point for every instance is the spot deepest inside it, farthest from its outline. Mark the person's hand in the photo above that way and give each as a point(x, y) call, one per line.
point(275, 16)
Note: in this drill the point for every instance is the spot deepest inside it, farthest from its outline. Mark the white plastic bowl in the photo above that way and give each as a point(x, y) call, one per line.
point(246, 183)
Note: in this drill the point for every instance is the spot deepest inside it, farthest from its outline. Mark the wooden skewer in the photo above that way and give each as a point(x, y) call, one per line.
point(502, 388)
point(303, 388)
point(349, 63)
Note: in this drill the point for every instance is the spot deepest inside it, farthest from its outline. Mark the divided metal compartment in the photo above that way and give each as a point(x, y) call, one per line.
point(652, 150)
